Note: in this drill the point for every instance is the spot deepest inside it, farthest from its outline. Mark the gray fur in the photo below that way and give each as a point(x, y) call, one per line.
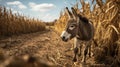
point(81, 29)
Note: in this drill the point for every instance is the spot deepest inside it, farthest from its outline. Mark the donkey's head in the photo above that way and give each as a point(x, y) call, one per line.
point(71, 27)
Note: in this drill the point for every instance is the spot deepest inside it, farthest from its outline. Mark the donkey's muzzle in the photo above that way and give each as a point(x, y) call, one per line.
point(64, 39)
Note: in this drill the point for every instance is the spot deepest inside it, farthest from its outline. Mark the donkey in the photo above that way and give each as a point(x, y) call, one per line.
point(81, 29)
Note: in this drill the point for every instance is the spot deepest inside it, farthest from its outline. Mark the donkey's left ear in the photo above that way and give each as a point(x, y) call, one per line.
point(68, 12)
point(74, 12)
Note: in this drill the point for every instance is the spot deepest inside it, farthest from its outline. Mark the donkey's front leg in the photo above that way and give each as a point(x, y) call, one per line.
point(80, 47)
point(76, 45)
point(89, 50)
point(87, 45)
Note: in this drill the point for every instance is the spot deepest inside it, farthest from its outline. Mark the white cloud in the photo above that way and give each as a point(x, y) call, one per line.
point(14, 3)
point(13, 10)
point(48, 17)
point(41, 7)
point(65, 2)
point(18, 4)
point(31, 4)
point(22, 6)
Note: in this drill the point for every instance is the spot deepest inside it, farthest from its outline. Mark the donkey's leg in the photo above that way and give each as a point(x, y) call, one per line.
point(76, 45)
point(80, 47)
point(85, 52)
point(75, 54)
point(89, 50)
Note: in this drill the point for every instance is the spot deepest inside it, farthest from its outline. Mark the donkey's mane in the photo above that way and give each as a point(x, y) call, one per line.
point(84, 19)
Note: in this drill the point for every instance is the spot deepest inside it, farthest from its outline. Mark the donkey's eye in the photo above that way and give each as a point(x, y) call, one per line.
point(72, 26)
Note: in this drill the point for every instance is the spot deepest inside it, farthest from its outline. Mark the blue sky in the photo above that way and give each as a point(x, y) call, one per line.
point(46, 10)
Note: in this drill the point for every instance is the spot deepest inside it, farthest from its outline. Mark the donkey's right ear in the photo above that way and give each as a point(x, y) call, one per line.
point(74, 12)
point(68, 12)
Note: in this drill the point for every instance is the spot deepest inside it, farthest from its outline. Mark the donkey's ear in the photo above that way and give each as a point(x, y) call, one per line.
point(68, 12)
point(74, 12)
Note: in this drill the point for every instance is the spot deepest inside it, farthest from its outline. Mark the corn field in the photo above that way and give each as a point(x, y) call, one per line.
point(11, 24)
point(106, 20)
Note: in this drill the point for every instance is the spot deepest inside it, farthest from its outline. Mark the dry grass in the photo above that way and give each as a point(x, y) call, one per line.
point(60, 23)
point(24, 61)
point(11, 24)
point(106, 20)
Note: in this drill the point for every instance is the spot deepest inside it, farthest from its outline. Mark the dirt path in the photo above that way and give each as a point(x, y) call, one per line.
point(47, 45)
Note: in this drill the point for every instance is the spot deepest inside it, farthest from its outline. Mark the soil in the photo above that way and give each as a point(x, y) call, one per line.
point(47, 45)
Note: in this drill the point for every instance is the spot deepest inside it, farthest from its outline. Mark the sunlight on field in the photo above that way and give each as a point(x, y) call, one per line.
point(17, 24)
point(37, 43)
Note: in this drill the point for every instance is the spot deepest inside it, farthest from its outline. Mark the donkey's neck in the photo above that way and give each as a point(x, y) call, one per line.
point(84, 29)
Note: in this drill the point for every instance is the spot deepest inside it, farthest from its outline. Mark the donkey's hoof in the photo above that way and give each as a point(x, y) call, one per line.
point(74, 60)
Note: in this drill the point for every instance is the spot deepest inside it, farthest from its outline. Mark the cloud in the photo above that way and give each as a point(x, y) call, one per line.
point(41, 7)
point(65, 2)
point(14, 3)
point(48, 17)
point(18, 4)
point(13, 10)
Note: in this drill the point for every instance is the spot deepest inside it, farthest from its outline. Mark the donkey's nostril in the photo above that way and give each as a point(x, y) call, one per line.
point(63, 38)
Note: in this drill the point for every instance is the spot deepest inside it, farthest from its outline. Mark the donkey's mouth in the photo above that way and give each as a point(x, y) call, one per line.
point(65, 40)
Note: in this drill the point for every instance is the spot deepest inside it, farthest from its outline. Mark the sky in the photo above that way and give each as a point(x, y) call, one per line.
point(45, 10)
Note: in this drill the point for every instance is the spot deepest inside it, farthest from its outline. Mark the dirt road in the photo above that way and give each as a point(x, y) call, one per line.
point(47, 45)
